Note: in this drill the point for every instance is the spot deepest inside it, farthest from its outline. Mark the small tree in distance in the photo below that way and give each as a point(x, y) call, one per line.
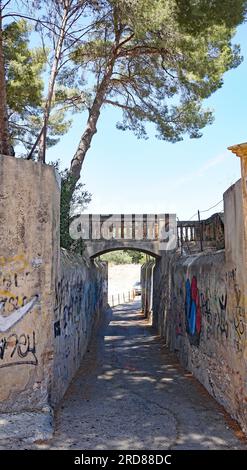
point(124, 257)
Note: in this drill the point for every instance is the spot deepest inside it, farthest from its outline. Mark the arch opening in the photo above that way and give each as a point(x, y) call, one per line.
point(130, 277)
point(105, 250)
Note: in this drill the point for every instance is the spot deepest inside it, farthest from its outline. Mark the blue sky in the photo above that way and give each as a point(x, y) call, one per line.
point(127, 175)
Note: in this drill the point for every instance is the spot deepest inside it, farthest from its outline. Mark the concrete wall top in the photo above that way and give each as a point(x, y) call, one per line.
point(234, 234)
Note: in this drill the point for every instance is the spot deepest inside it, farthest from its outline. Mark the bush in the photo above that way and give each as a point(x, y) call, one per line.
point(124, 257)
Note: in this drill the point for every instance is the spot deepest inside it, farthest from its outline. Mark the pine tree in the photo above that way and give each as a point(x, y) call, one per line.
point(157, 60)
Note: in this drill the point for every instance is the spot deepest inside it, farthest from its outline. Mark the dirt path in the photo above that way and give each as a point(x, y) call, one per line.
point(130, 393)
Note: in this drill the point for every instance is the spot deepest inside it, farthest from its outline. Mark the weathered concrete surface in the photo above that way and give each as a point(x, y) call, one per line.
point(29, 236)
point(200, 310)
point(234, 234)
point(27, 426)
point(99, 247)
point(207, 330)
point(48, 305)
point(81, 296)
point(108, 232)
point(131, 393)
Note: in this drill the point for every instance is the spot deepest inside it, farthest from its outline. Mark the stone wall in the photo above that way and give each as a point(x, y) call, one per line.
point(200, 310)
point(81, 295)
point(49, 301)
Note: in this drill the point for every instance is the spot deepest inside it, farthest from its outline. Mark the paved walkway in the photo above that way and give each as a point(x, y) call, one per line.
point(131, 393)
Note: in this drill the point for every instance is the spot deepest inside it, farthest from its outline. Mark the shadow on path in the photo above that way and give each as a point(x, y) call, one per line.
point(131, 393)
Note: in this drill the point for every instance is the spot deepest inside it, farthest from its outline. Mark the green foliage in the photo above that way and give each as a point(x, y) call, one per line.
point(138, 257)
point(197, 15)
point(156, 60)
point(23, 69)
point(167, 56)
point(124, 257)
point(116, 257)
point(73, 202)
point(25, 89)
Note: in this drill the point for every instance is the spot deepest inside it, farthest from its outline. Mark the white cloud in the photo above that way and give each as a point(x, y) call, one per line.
point(202, 170)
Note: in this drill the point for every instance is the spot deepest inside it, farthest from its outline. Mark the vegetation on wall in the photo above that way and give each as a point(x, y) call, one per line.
point(73, 202)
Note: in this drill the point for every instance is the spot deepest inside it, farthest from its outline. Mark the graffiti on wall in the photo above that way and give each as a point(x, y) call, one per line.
point(208, 306)
point(216, 312)
point(78, 298)
point(238, 310)
point(192, 311)
point(68, 304)
point(207, 314)
point(75, 303)
point(57, 329)
point(222, 324)
point(14, 264)
point(18, 350)
point(7, 322)
point(177, 299)
point(14, 304)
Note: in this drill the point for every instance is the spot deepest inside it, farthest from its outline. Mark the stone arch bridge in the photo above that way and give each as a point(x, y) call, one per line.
point(154, 234)
point(150, 233)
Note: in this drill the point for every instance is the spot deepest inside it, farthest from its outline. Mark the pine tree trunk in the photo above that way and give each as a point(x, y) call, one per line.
point(4, 125)
point(54, 71)
point(94, 113)
point(86, 138)
point(91, 127)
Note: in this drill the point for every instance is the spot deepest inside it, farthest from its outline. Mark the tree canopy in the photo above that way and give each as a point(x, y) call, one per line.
point(157, 60)
point(24, 68)
point(24, 83)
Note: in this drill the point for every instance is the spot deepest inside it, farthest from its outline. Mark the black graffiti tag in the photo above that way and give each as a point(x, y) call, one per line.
point(222, 326)
point(18, 350)
point(239, 317)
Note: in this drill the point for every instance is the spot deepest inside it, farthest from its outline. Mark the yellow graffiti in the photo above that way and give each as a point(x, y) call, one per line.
point(9, 295)
point(17, 263)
